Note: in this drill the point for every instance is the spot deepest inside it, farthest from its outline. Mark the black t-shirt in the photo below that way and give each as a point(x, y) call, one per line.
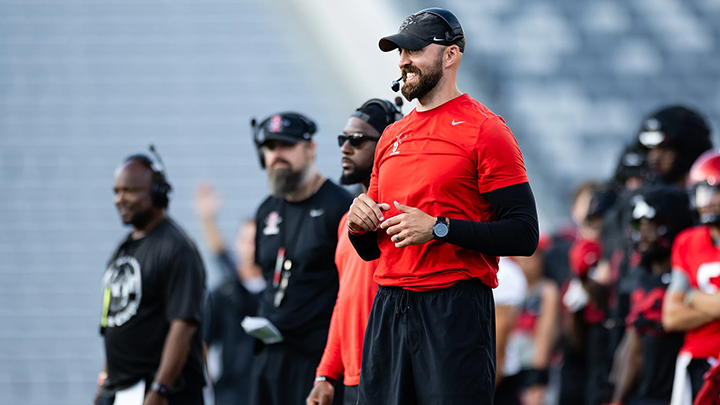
point(308, 231)
point(225, 309)
point(659, 348)
point(148, 283)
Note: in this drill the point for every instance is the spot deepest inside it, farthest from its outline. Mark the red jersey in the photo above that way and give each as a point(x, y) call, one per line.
point(443, 162)
point(694, 254)
point(347, 327)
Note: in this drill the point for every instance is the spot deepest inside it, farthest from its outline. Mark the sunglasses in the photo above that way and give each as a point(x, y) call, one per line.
point(355, 139)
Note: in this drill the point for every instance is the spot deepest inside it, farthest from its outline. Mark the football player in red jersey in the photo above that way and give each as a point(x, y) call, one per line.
point(645, 359)
point(692, 303)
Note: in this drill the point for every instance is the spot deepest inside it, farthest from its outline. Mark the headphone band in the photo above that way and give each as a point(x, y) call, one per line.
point(392, 113)
point(160, 187)
point(456, 31)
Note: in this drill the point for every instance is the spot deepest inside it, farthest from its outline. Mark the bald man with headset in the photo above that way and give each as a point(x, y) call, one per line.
point(153, 291)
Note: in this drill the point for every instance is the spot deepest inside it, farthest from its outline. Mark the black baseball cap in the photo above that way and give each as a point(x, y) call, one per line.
point(287, 127)
point(428, 26)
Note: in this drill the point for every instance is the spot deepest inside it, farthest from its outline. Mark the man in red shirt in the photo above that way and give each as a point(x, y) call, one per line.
point(692, 302)
point(357, 287)
point(448, 195)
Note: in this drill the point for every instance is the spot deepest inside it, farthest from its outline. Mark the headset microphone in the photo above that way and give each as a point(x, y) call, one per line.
point(395, 86)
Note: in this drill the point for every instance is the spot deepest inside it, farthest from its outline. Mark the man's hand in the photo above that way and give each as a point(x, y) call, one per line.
point(207, 203)
point(534, 395)
point(321, 394)
point(97, 396)
point(153, 398)
point(412, 227)
point(365, 214)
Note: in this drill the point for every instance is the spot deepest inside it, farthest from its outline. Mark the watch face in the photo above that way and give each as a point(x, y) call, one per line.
point(440, 229)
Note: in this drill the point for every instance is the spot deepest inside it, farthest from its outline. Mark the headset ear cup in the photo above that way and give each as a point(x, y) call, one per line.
point(261, 157)
point(159, 191)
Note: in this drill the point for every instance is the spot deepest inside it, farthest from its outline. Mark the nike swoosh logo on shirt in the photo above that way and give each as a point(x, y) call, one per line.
point(459, 122)
point(316, 213)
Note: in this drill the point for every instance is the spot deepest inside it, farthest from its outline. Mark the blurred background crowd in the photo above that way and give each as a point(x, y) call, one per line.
point(84, 84)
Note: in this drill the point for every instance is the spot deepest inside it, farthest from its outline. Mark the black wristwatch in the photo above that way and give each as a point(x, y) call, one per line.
point(162, 389)
point(441, 228)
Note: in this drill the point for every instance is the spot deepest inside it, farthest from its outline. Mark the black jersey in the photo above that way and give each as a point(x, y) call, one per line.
point(307, 233)
point(148, 283)
point(659, 348)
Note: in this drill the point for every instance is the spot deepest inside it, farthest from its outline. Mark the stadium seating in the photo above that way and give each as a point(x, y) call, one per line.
point(84, 84)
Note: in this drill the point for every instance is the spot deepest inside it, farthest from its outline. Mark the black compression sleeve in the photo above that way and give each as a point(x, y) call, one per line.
point(366, 245)
point(514, 234)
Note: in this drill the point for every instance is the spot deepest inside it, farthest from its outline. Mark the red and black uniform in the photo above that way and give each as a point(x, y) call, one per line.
point(431, 333)
point(695, 255)
point(343, 351)
point(659, 348)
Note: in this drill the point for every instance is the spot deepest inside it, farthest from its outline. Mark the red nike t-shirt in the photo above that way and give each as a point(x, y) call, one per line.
point(443, 162)
point(694, 254)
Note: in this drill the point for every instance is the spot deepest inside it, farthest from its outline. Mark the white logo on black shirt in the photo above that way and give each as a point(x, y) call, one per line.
point(124, 282)
point(271, 223)
point(316, 212)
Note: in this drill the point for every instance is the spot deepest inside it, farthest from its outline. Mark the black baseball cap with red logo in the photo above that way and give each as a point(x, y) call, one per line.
point(429, 26)
point(286, 126)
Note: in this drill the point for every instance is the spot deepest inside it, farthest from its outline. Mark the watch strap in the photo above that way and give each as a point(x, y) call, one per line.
point(440, 221)
point(322, 378)
point(162, 389)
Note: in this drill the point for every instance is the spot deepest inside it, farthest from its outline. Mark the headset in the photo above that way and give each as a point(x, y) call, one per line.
point(392, 111)
point(450, 19)
point(160, 188)
point(259, 136)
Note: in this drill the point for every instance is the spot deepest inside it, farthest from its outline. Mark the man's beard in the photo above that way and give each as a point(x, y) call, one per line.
point(140, 219)
point(285, 181)
point(426, 81)
point(358, 175)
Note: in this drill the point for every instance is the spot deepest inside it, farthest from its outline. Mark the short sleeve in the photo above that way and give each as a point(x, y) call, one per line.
point(512, 284)
point(209, 326)
point(373, 187)
point(677, 259)
point(499, 161)
point(185, 290)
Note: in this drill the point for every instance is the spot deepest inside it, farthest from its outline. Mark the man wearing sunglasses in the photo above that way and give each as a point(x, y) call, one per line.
point(357, 288)
point(448, 195)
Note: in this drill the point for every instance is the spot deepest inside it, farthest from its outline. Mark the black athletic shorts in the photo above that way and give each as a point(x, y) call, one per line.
point(434, 348)
point(696, 370)
point(281, 375)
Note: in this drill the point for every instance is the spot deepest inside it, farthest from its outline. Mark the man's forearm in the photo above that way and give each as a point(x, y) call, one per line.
point(630, 362)
point(514, 234)
point(366, 245)
point(676, 316)
point(175, 351)
point(213, 235)
point(706, 303)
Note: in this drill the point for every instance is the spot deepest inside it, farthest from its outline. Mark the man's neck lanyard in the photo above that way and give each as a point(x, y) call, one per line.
point(283, 265)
